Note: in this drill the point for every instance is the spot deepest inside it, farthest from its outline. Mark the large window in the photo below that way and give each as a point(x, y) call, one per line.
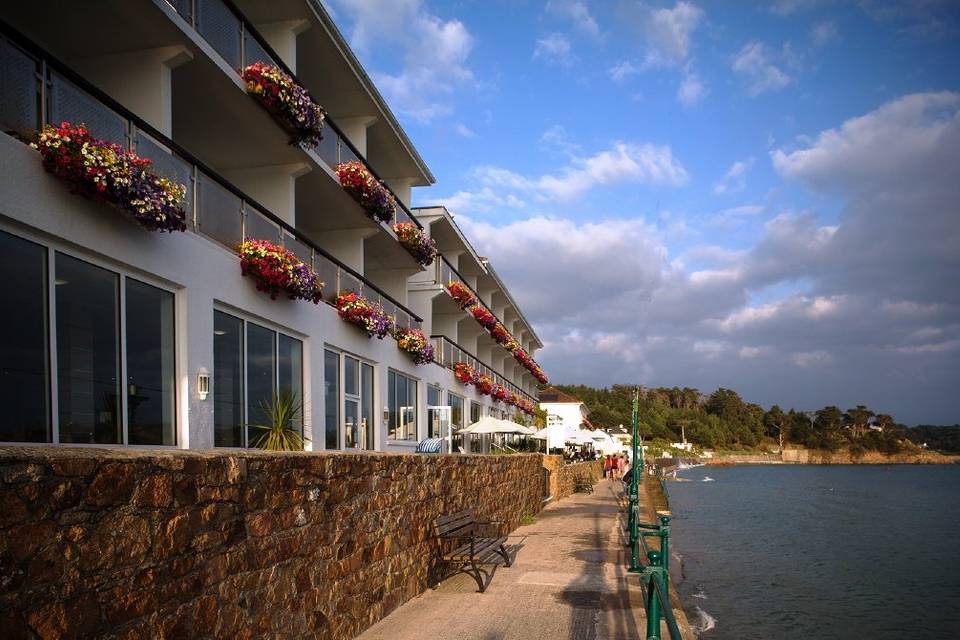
point(434, 424)
point(25, 386)
point(111, 338)
point(475, 410)
point(357, 429)
point(402, 407)
point(253, 368)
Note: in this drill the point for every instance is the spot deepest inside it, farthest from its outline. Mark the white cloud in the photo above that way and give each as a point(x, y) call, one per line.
point(577, 12)
point(787, 7)
point(669, 32)
point(691, 89)
point(823, 33)
point(558, 139)
point(463, 130)
point(433, 51)
point(735, 179)
point(733, 216)
point(622, 70)
point(484, 200)
point(554, 49)
point(753, 63)
point(811, 358)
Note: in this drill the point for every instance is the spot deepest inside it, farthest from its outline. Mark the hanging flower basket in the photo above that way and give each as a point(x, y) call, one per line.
point(464, 373)
point(277, 270)
point(376, 199)
point(415, 343)
point(105, 172)
point(484, 384)
point(420, 245)
point(287, 102)
point(354, 308)
point(461, 294)
point(499, 393)
point(500, 333)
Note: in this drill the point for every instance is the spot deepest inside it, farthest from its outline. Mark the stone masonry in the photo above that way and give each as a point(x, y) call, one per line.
point(563, 477)
point(188, 544)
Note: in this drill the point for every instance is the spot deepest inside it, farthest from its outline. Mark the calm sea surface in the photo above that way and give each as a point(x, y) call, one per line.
point(803, 552)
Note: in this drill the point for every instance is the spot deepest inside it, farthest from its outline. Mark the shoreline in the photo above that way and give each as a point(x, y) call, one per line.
point(823, 457)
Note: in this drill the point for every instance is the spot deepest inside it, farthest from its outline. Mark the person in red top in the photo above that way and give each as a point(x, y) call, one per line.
point(608, 467)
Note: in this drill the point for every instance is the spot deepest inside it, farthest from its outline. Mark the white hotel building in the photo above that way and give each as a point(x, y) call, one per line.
point(109, 330)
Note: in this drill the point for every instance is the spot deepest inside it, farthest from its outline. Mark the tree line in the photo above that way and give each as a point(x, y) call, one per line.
point(723, 420)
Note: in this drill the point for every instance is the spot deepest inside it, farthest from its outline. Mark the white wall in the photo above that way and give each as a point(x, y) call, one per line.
point(204, 274)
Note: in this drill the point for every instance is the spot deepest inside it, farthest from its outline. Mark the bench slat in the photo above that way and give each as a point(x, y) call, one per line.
point(483, 548)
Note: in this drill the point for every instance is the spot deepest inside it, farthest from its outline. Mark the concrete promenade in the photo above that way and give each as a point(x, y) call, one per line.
point(568, 582)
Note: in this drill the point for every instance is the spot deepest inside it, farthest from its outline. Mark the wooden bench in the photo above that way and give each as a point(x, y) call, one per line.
point(465, 541)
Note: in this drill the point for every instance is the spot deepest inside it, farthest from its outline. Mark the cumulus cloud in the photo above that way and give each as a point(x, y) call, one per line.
point(669, 32)
point(823, 33)
point(622, 70)
point(464, 131)
point(554, 49)
point(754, 64)
point(735, 179)
point(623, 163)
point(576, 12)
point(433, 51)
point(862, 310)
point(691, 89)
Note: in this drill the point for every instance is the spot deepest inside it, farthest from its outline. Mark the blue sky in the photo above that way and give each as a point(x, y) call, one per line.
point(758, 196)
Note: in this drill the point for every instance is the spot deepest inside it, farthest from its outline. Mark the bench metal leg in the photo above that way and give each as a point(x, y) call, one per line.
point(477, 575)
point(506, 556)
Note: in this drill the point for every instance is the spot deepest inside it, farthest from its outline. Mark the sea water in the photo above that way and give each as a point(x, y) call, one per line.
point(800, 552)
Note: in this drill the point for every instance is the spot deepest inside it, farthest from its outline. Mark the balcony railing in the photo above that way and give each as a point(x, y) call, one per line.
point(448, 353)
point(238, 42)
point(36, 89)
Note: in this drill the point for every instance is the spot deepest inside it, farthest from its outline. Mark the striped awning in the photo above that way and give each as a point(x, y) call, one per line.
point(430, 445)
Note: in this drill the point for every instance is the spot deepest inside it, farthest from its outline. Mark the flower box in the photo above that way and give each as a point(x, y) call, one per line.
point(287, 102)
point(354, 308)
point(105, 172)
point(483, 316)
point(461, 294)
point(484, 384)
point(499, 393)
point(277, 270)
point(416, 242)
point(464, 373)
point(415, 343)
point(376, 199)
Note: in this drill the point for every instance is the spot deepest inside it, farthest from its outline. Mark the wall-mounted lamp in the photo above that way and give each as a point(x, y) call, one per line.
point(203, 383)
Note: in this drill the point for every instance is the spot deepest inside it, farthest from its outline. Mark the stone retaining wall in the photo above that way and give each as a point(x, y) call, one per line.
point(128, 544)
point(563, 477)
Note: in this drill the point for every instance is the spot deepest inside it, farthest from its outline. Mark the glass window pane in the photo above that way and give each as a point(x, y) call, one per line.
point(150, 374)
point(87, 352)
point(290, 373)
point(456, 420)
point(261, 365)
point(367, 439)
point(410, 412)
point(351, 376)
point(351, 411)
point(433, 397)
point(392, 405)
point(227, 380)
point(331, 398)
point(23, 342)
point(474, 412)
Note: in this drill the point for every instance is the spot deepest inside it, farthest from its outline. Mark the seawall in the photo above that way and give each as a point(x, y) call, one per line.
point(822, 456)
point(143, 544)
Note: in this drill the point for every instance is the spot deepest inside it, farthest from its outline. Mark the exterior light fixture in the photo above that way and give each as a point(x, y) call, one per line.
point(203, 383)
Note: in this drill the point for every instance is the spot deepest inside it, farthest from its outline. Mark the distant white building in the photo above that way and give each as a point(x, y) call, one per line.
point(565, 415)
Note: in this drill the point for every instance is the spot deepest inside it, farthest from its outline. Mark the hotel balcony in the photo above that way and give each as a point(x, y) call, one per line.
point(37, 89)
point(448, 353)
point(177, 66)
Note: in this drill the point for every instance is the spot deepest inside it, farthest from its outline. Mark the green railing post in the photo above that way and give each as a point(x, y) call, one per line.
point(635, 470)
point(653, 602)
point(665, 550)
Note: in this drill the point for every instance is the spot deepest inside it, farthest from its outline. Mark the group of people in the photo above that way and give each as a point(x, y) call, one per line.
point(614, 466)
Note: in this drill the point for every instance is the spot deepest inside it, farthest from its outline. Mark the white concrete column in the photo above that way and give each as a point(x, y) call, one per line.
point(282, 37)
point(447, 324)
point(273, 186)
point(356, 130)
point(392, 281)
point(139, 80)
point(346, 245)
point(468, 330)
point(402, 188)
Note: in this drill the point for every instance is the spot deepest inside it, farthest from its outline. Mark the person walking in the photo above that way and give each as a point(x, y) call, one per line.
point(608, 467)
point(621, 464)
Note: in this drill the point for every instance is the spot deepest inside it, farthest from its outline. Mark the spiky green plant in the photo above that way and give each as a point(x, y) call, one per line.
point(279, 414)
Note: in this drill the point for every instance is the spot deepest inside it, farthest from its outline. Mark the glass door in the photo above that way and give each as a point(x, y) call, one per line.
point(438, 426)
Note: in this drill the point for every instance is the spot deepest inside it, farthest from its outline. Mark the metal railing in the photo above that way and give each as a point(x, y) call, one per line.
point(448, 353)
point(227, 30)
point(656, 573)
point(38, 90)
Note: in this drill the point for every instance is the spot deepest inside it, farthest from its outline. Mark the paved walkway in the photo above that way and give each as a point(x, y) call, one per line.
point(568, 582)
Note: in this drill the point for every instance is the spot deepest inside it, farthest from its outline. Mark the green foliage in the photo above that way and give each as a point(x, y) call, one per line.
point(725, 421)
point(528, 520)
point(276, 431)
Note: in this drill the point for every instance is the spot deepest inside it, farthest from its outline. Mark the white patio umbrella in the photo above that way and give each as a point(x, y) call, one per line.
point(489, 424)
